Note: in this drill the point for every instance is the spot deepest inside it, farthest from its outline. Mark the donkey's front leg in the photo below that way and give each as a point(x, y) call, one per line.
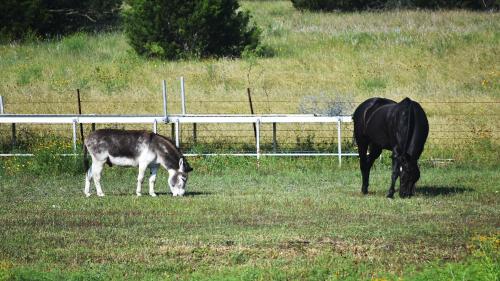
point(152, 180)
point(140, 178)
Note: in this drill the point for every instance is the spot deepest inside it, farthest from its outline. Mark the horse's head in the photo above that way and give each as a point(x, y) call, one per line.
point(410, 173)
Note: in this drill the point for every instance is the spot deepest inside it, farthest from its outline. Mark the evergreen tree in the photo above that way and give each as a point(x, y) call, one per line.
point(173, 29)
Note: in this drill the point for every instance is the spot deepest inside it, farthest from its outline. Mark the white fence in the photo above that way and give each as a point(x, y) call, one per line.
point(177, 120)
point(257, 120)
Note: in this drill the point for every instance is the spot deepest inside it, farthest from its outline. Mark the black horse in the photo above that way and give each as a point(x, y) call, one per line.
point(401, 127)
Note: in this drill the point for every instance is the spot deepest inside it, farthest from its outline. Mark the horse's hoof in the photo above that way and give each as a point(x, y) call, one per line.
point(390, 195)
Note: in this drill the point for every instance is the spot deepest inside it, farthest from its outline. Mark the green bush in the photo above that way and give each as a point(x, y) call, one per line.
point(48, 18)
point(189, 28)
point(356, 5)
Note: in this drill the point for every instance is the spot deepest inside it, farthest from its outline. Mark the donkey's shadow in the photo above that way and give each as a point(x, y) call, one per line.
point(161, 193)
point(187, 194)
point(436, 190)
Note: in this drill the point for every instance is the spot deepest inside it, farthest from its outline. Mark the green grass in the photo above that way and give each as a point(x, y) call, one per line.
point(286, 219)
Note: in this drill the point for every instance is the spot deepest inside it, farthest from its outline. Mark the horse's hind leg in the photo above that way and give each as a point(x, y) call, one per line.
point(395, 174)
point(363, 165)
point(370, 159)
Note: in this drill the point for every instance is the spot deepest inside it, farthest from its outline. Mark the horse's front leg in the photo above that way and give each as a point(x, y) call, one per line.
point(396, 167)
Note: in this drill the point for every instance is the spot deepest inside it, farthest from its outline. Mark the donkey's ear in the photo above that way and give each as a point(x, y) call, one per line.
point(181, 164)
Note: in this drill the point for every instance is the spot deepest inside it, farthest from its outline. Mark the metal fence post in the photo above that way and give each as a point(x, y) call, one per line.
point(14, 139)
point(257, 133)
point(1, 105)
point(164, 87)
point(275, 144)
point(183, 97)
point(74, 136)
point(155, 127)
point(177, 133)
point(339, 139)
point(195, 133)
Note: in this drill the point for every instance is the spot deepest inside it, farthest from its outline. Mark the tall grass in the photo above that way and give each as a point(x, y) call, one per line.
point(444, 55)
point(430, 56)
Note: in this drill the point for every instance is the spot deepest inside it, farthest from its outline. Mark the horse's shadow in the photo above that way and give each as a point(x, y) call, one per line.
point(436, 190)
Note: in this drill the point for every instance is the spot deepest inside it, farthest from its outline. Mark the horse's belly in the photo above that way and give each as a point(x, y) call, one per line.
point(382, 141)
point(123, 161)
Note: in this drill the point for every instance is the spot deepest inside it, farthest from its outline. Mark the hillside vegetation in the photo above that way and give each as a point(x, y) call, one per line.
point(448, 60)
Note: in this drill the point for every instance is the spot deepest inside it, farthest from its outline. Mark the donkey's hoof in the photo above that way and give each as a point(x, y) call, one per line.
point(100, 194)
point(153, 194)
point(138, 194)
point(87, 194)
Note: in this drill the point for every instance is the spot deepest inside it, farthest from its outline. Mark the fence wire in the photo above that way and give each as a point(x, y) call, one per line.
point(455, 126)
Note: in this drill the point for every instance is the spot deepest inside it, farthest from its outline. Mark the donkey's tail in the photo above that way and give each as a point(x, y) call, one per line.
point(86, 163)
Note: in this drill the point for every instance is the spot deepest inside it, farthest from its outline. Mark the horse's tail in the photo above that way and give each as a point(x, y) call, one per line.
point(407, 140)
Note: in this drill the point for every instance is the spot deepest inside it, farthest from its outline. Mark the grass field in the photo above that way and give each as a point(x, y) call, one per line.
point(302, 219)
point(288, 219)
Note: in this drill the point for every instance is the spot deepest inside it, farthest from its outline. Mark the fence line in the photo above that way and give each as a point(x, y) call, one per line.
point(175, 100)
point(258, 120)
point(343, 132)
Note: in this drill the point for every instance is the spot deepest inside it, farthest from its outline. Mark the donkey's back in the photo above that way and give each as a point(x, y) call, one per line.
point(120, 147)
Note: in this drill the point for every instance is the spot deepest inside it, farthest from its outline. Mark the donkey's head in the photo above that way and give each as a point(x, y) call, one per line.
point(177, 179)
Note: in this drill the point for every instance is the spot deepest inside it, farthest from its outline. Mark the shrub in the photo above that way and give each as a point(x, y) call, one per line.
point(354, 5)
point(189, 28)
point(46, 18)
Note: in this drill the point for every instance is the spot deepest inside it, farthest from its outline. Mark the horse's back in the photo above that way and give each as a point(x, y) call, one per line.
point(364, 112)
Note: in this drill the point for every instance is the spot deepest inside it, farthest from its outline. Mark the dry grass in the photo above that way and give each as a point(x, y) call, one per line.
point(433, 57)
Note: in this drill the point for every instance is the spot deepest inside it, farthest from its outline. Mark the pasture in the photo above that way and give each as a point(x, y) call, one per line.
point(287, 219)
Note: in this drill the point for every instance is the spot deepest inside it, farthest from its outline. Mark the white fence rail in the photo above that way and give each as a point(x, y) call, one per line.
point(74, 120)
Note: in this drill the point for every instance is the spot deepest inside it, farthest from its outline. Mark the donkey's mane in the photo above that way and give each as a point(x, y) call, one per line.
point(169, 143)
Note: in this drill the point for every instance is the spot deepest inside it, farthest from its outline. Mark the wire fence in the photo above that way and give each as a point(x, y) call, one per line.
point(455, 126)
